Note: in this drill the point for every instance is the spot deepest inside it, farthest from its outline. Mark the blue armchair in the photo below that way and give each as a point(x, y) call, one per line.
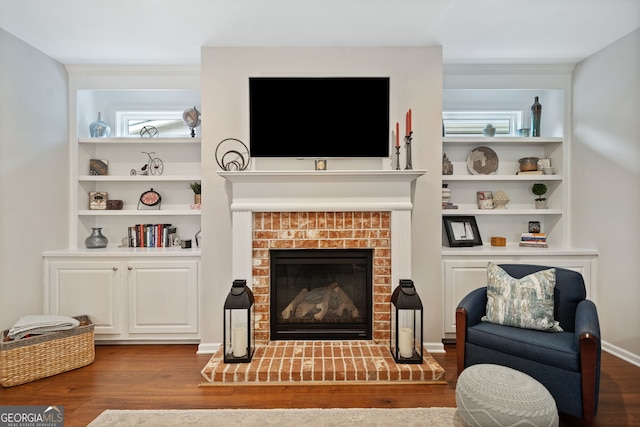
point(566, 363)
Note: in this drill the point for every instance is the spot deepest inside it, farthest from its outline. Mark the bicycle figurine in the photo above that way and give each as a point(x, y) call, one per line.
point(154, 166)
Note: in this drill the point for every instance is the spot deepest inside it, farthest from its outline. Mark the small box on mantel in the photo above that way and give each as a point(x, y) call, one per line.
point(498, 241)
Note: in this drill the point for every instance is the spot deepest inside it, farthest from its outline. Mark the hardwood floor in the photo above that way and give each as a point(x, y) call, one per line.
point(167, 377)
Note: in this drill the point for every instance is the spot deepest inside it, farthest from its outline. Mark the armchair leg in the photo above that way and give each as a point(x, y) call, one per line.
point(588, 368)
point(461, 337)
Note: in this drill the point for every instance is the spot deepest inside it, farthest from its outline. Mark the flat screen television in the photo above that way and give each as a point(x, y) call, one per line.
point(319, 117)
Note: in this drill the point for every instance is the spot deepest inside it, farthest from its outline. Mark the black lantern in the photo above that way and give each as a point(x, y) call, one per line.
point(406, 323)
point(238, 324)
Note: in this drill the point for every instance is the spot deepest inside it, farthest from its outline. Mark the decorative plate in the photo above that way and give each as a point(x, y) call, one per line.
point(482, 161)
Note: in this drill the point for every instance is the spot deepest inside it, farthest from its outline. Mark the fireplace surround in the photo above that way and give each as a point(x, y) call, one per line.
point(320, 210)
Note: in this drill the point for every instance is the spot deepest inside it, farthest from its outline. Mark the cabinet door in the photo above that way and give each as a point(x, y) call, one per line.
point(163, 296)
point(87, 287)
point(460, 278)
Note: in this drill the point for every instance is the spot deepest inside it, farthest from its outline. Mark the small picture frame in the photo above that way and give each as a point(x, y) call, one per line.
point(461, 231)
point(485, 200)
point(321, 164)
point(534, 227)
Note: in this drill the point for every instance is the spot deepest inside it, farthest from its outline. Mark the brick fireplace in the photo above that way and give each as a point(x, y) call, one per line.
point(322, 210)
point(322, 230)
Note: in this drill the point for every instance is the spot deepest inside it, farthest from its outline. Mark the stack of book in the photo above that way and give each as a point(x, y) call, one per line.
point(533, 240)
point(151, 235)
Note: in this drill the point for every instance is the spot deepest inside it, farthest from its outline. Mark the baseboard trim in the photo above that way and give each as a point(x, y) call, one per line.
point(621, 353)
point(208, 348)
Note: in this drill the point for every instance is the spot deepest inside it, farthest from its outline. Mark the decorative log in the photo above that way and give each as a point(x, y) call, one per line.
point(324, 304)
point(346, 303)
point(293, 305)
point(304, 308)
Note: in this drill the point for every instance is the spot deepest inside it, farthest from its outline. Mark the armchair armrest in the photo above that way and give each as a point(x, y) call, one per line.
point(588, 342)
point(587, 323)
point(475, 304)
point(469, 312)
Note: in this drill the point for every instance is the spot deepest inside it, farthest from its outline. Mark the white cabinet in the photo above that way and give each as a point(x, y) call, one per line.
point(129, 298)
point(93, 287)
point(461, 275)
point(162, 297)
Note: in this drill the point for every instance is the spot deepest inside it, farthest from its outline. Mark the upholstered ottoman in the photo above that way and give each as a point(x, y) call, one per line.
point(492, 395)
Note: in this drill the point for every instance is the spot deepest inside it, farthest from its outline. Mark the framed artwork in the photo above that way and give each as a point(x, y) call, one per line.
point(461, 231)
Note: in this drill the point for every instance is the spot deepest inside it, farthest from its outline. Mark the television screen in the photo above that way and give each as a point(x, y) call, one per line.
point(319, 117)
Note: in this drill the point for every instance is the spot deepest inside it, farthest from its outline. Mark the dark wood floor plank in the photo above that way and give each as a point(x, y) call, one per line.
point(167, 377)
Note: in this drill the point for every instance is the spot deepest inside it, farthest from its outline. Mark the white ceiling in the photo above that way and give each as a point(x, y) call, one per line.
point(173, 31)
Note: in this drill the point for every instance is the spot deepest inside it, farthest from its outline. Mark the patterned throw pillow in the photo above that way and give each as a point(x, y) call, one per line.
point(523, 303)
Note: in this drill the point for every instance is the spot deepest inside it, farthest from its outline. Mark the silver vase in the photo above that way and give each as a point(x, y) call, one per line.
point(96, 239)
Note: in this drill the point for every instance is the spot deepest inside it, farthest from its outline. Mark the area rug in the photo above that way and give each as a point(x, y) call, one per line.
point(370, 417)
point(321, 362)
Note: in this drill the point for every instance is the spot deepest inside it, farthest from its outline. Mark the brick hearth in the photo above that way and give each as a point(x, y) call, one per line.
point(321, 361)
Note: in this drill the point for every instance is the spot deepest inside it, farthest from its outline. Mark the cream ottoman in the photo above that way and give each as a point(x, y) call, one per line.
point(492, 395)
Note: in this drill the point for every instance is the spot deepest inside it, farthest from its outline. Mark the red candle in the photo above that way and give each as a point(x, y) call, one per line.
point(397, 134)
point(408, 119)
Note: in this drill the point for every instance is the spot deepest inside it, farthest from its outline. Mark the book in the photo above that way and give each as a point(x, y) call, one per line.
point(534, 244)
point(530, 173)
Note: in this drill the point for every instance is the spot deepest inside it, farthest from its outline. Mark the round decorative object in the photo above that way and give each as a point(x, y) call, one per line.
point(482, 161)
point(232, 154)
point(96, 239)
point(488, 394)
point(191, 118)
point(149, 132)
point(150, 198)
point(500, 200)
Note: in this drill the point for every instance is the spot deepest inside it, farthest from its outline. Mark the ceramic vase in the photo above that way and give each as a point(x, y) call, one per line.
point(96, 239)
point(99, 128)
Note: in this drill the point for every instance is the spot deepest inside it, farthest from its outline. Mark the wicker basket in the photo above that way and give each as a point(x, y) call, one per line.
point(41, 356)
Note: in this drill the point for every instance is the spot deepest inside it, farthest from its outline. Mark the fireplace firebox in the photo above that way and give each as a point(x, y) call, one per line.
point(321, 294)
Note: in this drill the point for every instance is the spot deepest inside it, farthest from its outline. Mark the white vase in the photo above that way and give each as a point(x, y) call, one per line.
point(541, 204)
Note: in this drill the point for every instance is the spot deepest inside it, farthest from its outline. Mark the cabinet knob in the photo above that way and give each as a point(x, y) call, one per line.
point(115, 268)
point(129, 268)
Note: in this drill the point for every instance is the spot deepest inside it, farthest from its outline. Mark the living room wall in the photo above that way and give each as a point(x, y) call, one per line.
point(416, 83)
point(605, 195)
point(33, 173)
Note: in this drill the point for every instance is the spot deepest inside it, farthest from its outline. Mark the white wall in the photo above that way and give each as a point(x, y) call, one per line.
point(416, 83)
point(606, 185)
point(33, 173)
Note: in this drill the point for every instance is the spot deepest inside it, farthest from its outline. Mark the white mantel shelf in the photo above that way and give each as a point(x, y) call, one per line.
point(339, 190)
point(323, 176)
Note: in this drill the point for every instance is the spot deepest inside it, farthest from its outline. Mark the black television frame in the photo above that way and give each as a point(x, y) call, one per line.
point(319, 117)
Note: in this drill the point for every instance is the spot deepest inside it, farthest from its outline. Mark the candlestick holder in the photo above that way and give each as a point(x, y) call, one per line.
point(407, 142)
point(397, 157)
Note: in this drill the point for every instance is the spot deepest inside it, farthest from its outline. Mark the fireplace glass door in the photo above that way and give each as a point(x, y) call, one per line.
point(321, 294)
